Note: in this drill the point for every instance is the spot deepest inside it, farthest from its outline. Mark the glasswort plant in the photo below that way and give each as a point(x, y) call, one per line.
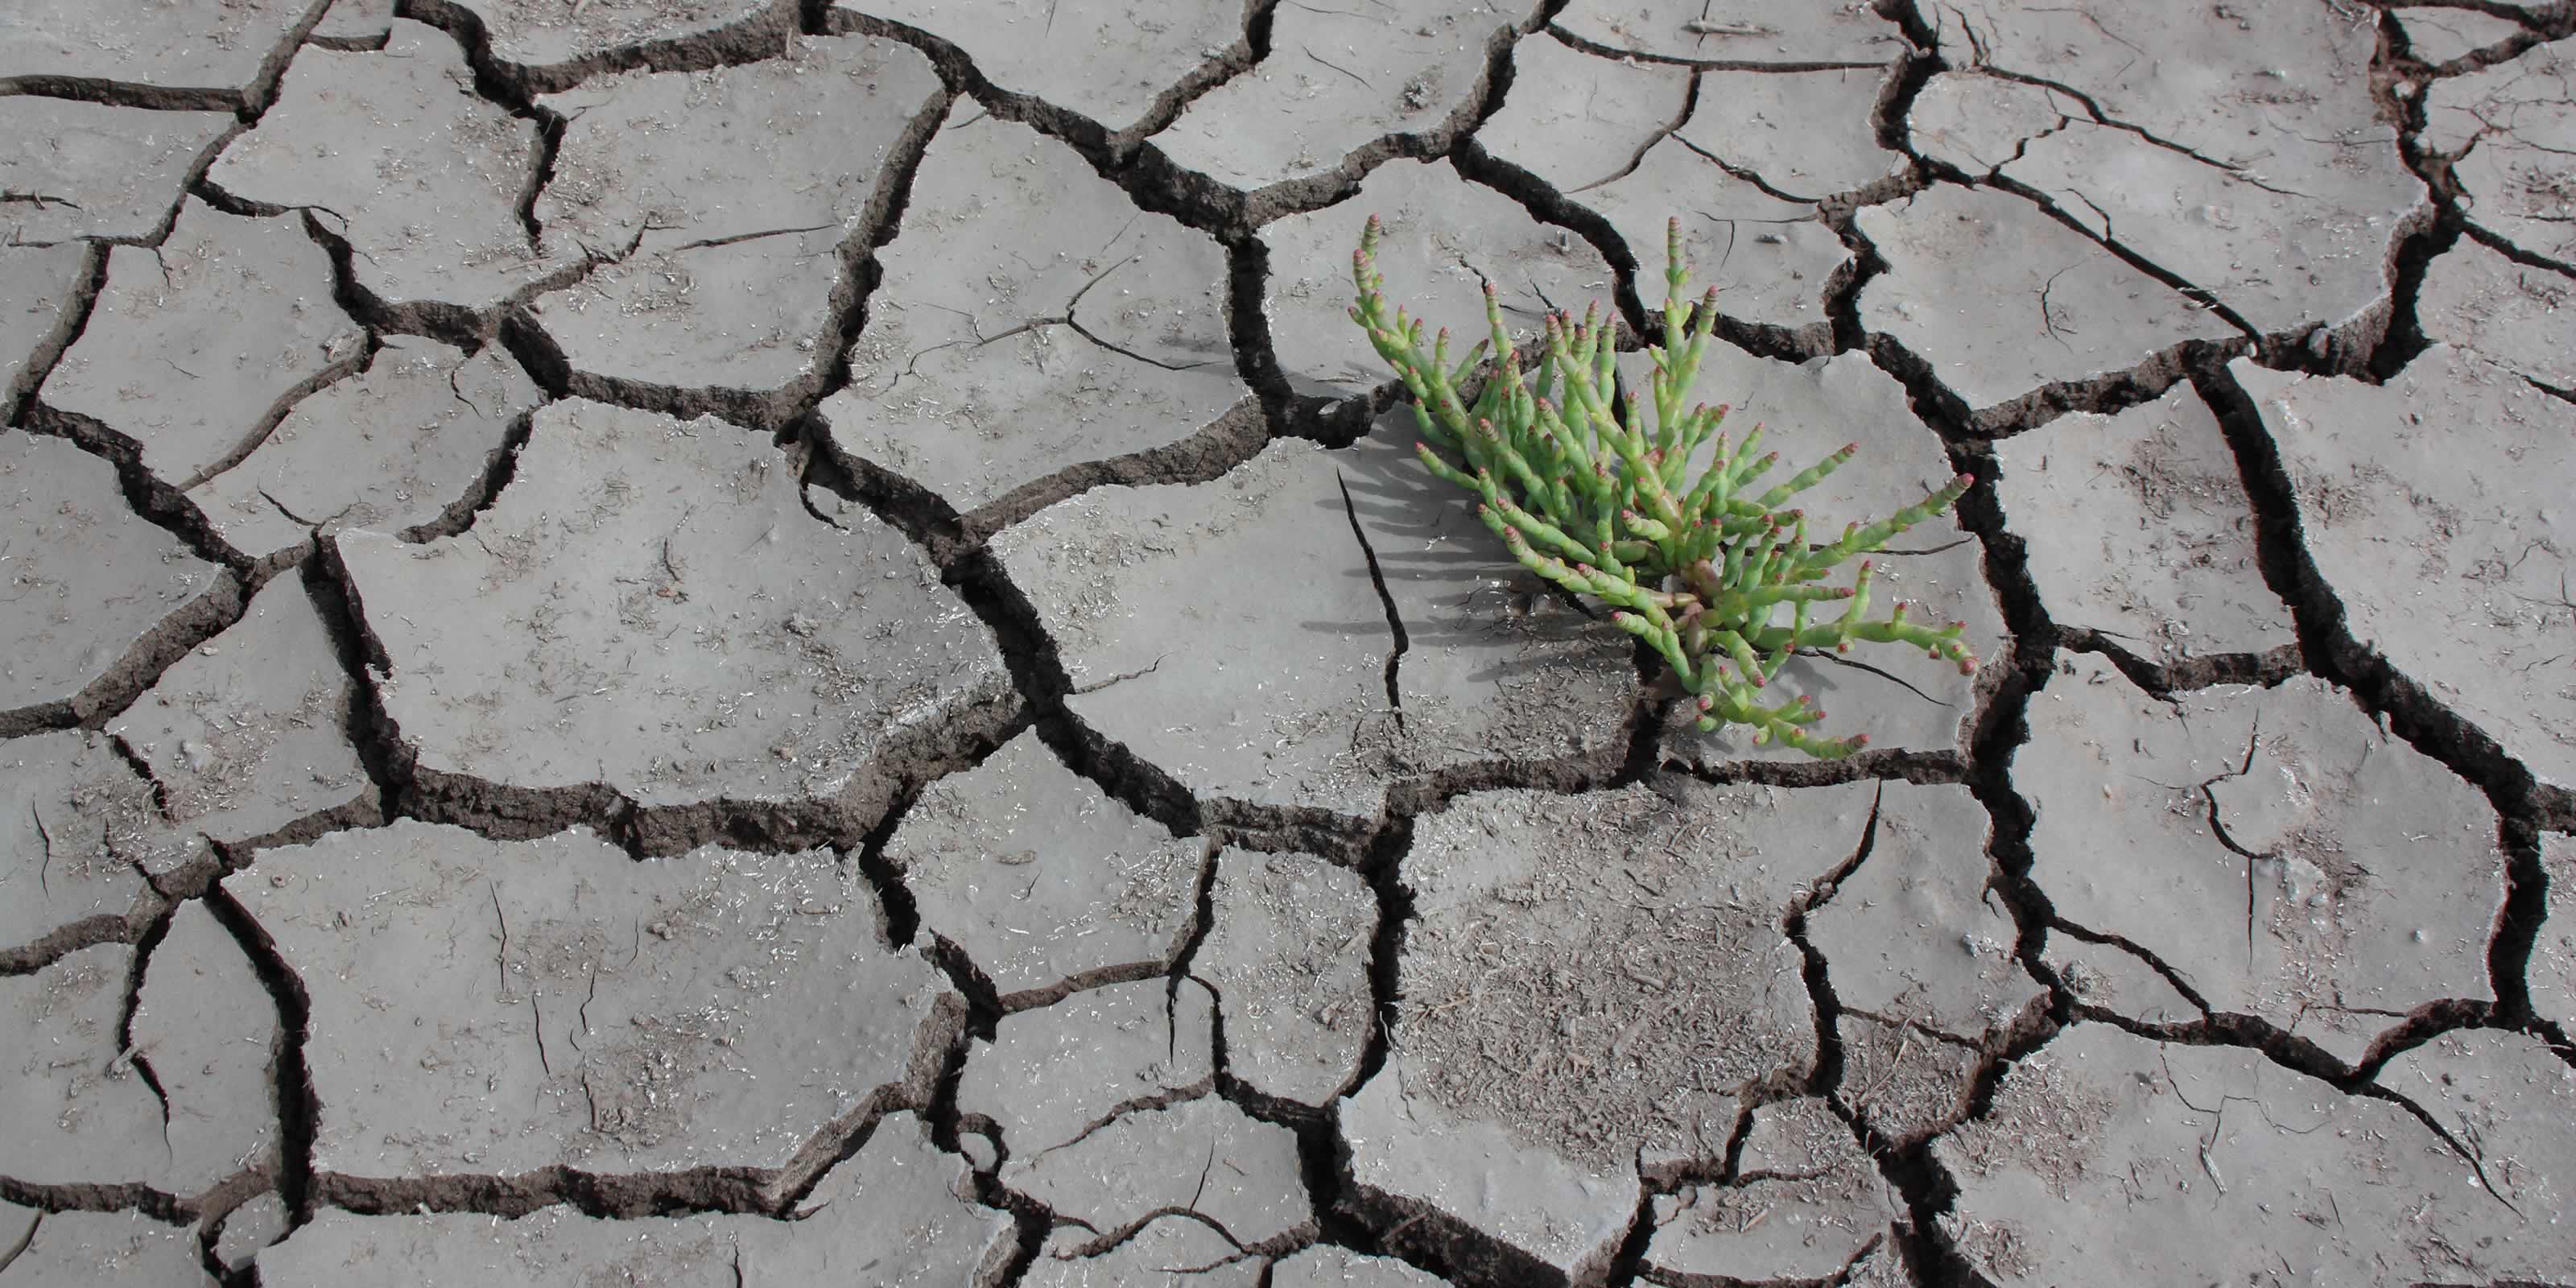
point(1597, 503)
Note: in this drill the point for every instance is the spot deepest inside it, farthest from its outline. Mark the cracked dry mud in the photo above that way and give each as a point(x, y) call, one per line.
point(741, 641)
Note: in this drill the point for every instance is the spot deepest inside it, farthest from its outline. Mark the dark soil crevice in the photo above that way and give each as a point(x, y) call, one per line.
point(19, 395)
point(299, 1110)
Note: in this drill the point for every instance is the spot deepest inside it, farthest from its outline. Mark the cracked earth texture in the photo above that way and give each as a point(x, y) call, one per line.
point(790, 642)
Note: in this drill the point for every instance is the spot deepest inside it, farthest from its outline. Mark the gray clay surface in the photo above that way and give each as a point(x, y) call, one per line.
point(354, 24)
point(110, 173)
point(194, 347)
point(2514, 125)
point(1354, 76)
point(1445, 238)
point(2290, 187)
point(1045, 881)
point(2000, 299)
point(1704, 1003)
point(73, 1249)
point(2515, 315)
point(216, 50)
point(2283, 854)
point(1806, 1200)
point(205, 1025)
point(2440, 36)
point(2467, 522)
point(1285, 961)
point(723, 198)
point(1109, 570)
point(248, 735)
point(1205, 1157)
point(996, 353)
point(490, 1008)
point(395, 154)
point(1108, 60)
point(2140, 531)
point(831, 642)
point(2553, 958)
point(404, 446)
point(41, 282)
point(2222, 1166)
point(780, 642)
point(569, 35)
point(94, 589)
point(1055, 1074)
point(1601, 132)
point(891, 1217)
point(70, 809)
point(78, 1110)
point(1724, 32)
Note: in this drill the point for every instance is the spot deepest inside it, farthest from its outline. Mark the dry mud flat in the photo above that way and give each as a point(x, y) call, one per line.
point(751, 642)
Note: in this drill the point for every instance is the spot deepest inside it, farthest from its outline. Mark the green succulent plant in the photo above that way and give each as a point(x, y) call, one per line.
point(1596, 502)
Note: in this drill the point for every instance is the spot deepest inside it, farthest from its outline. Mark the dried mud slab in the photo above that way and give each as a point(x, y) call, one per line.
point(1668, 994)
point(2003, 302)
point(2216, 1165)
point(64, 797)
point(98, 597)
point(1806, 135)
point(2552, 972)
point(1602, 134)
point(1326, 1266)
point(1052, 1075)
point(1445, 238)
point(892, 1217)
point(1204, 1157)
point(40, 283)
point(260, 1221)
point(1288, 959)
point(1046, 882)
point(1494, 669)
point(194, 349)
point(1735, 31)
point(497, 1007)
point(1175, 1250)
point(2438, 36)
point(2511, 127)
point(88, 170)
point(204, 1025)
point(2511, 1102)
point(1806, 1203)
point(657, 589)
point(1921, 958)
point(404, 446)
point(74, 1248)
point(2291, 191)
point(2511, 314)
point(247, 736)
point(1114, 573)
point(2450, 477)
point(1336, 81)
point(2139, 530)
point(354, 25)
point(73, 1107)
point(397, 155)
point(559, 40)
point(1109, 60)
point(1001, 350)
point(2285, 856)
point(725, 198)
point(1901, 699)
point(2109, 976)
point(211, 53)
